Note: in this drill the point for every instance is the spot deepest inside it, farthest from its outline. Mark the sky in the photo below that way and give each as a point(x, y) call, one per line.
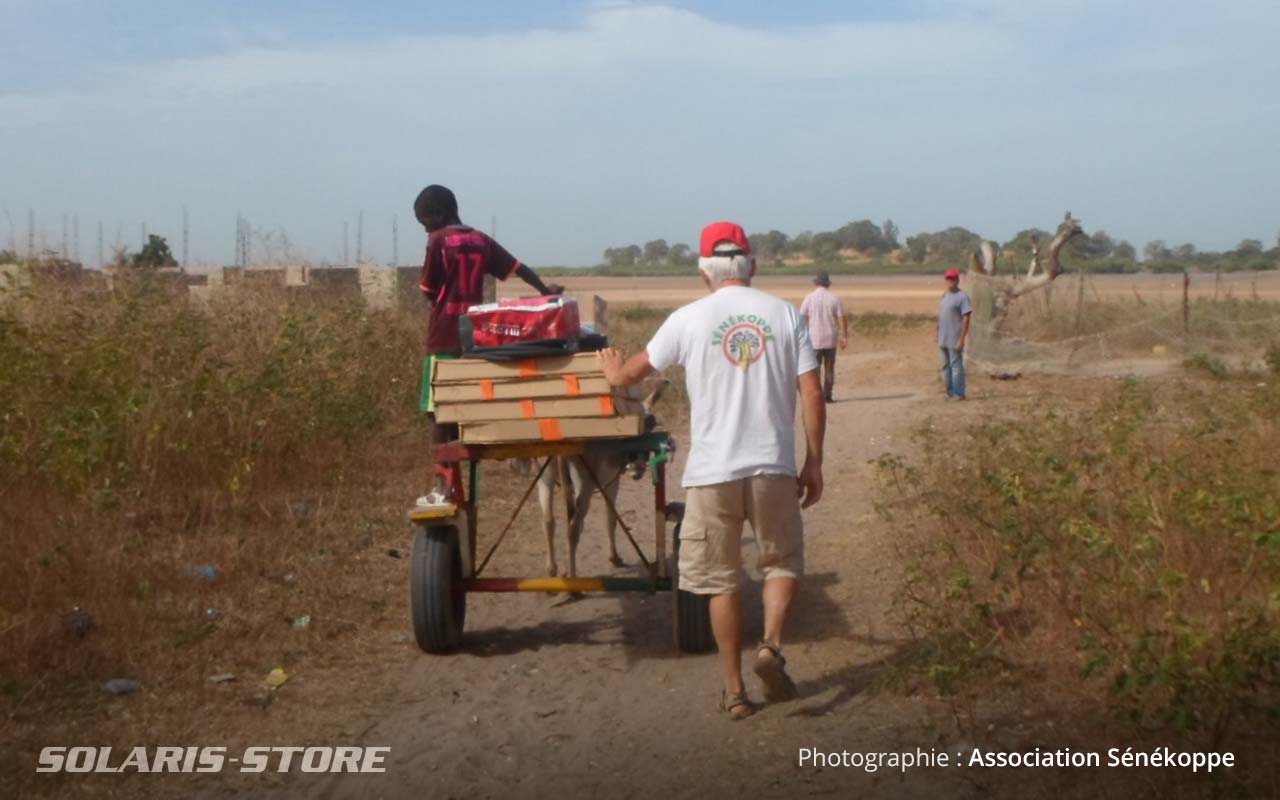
point(583, 125)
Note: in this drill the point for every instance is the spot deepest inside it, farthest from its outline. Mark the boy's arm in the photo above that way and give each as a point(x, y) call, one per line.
point(964, 332)
point(530, 277)
point(432, 274)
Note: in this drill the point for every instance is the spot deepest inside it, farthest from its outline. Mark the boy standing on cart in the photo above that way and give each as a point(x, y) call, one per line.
point(458, 259)
point(746, 355)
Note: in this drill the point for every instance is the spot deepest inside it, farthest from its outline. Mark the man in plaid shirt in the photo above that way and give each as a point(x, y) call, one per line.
point(828, 326)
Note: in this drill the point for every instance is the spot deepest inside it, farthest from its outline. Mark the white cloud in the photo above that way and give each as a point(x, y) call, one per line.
point(643, 117)
point(639, 41)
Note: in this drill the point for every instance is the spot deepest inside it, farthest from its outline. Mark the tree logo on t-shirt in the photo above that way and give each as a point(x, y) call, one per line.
point(743, 338)
point(744, 345)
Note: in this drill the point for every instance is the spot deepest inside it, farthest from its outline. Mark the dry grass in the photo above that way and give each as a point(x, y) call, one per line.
point(145, 438)
point(274, 439)
point(136, 426)
point(1117, 555)
point(1066, 320)
point(879, 323)
point(631, 329)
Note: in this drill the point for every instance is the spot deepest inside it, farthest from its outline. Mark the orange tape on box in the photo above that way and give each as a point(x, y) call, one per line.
point(551, 431)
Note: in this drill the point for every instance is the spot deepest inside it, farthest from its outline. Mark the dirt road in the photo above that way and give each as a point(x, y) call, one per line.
point(564, 697)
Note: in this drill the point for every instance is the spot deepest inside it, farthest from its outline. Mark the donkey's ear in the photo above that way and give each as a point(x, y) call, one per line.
point(655, 394)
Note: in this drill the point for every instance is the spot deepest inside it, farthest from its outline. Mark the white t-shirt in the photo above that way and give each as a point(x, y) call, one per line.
point(742, 350)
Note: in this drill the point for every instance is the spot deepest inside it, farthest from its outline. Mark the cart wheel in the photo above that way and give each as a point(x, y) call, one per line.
point(693, 613)
point(437, 598)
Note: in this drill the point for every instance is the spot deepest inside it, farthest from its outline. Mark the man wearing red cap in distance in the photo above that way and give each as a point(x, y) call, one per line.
point(746, 354)
point(953, 333)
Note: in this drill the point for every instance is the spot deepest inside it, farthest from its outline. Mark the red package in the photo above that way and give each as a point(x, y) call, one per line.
point(528, 319)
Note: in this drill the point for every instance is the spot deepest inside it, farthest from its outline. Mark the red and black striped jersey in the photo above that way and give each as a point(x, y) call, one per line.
point(458, 258)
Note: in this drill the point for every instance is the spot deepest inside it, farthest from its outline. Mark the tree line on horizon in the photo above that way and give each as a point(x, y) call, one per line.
point(863, 241)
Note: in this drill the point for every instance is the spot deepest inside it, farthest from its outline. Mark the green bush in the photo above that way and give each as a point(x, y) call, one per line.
point(1204, 362)
point(155, 253)
point(1272, 357)
point(1110, 265)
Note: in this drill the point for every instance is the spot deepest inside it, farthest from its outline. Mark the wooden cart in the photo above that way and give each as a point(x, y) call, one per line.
point(445, 546)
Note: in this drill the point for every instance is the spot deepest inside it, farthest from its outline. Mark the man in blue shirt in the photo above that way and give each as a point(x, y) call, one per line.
point(953, 333)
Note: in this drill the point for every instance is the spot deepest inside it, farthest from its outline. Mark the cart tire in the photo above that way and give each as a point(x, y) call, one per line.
point(693, 613)
point(438, 600)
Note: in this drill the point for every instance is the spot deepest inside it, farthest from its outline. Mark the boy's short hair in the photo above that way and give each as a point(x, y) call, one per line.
point(435, 202)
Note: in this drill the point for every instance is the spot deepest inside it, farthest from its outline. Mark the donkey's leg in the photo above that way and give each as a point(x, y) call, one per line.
point(582, 489)
point(546, 499)
point(611, 521)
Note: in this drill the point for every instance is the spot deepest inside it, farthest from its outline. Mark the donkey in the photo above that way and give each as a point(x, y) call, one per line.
point(574, 476)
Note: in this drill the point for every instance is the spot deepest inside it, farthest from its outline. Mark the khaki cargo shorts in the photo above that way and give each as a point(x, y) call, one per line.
point(711, 535)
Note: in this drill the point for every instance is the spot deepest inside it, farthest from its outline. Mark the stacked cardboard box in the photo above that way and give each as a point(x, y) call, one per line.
point(542, 399)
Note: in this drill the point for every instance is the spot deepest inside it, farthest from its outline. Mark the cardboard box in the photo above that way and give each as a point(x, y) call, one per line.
point(496, 390)
point(475, 369)
point(551, 430)
point(527, 409)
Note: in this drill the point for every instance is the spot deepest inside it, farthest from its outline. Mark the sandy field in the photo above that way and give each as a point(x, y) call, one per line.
point(908, 293)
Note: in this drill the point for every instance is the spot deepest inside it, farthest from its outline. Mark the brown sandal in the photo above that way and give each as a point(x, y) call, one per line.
point(737, 706)
point(770, 667)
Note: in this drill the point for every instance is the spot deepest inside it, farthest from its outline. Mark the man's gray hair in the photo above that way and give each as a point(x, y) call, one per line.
point(721, 268)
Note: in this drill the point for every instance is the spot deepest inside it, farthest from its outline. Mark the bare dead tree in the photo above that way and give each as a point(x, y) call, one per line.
point(1008, 289)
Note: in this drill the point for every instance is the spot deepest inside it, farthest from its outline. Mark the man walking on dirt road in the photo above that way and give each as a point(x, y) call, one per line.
point(746, 354)
point(828, 327)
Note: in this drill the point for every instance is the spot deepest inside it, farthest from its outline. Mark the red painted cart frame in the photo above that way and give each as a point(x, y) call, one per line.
point(445, 564)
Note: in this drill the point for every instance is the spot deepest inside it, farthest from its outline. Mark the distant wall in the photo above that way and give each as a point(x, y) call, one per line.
point(381, 287)
point(408, 288)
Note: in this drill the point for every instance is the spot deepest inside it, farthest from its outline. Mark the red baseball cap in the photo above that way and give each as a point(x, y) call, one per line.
point(952, 273)
point(719, 232)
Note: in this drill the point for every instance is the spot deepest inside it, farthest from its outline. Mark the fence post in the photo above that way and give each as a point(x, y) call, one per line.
point(1075, 346)
point(1186, 303)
